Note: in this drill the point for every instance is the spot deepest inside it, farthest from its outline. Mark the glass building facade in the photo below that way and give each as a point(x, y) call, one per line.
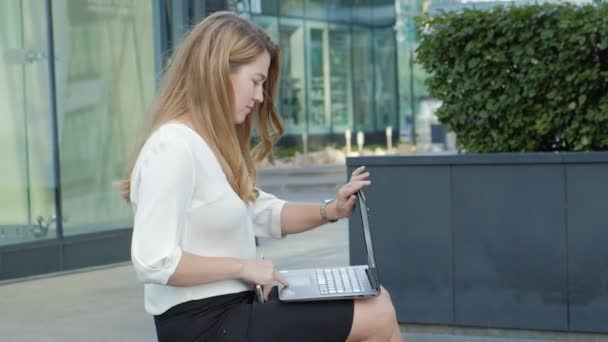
point(339, 64)
point(76, 77)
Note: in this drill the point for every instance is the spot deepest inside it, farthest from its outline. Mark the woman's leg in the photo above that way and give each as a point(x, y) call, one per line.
point(397, 334)
point(374, 319)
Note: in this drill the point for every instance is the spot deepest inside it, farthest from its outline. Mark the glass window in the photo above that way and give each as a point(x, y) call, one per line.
point(316, 9)
point(361, 11)
point(339, 10)
point(27, 187)
point(291, 84)
point(269, 24)
point(383, 12)
point(362, 79)
point(385, 73)
point(291, 8)
point(105, 81)
point(264, 7)
point(319, 111)
point(339, 64)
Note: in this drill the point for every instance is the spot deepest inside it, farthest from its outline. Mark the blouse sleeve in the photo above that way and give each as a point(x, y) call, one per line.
point(162, 188)
point(267, 215)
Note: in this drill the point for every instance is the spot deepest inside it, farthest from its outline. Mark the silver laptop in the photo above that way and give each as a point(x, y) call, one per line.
point(330, 283)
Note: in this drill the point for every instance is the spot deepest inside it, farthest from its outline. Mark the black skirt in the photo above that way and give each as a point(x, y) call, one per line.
point(238, 317)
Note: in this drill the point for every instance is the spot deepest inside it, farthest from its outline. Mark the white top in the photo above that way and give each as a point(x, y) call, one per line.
point(183, 202)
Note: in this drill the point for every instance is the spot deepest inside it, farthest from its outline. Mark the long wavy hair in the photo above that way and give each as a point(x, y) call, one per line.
point(196, 88)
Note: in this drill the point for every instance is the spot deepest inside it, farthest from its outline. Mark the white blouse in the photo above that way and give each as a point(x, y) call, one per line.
point(183, 202)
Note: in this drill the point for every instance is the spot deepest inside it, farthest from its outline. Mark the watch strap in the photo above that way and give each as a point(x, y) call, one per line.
point(324, 211)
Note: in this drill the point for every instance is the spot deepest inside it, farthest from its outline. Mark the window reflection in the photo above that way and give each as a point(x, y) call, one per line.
point(340, 64)
point(264, 7)
point(318, 79)
point(27, 186)
point(291, 92)
point(362, 12)
point(383, 12)
point(105, 80)
point(339, 10)
point(292, 8)
point(316, 9)
point(385, 77)
point(270, 25)
point(362, 79)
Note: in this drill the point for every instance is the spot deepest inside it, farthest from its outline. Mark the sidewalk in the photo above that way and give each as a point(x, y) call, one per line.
point(106, 304)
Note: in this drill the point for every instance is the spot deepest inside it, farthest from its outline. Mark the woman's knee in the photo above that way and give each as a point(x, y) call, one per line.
point(374, 318)
point(386, 304)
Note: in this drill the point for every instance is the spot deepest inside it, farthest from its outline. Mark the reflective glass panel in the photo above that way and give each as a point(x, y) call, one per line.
point(316, 9)
point(27, 187)
point(362, 79)
point(339, 63)
point(292, 8)
point(319, 111)
point(362, 11)
point(105, 81)
point(385, 73)
point(264, 7)
point(270, 26)
point(339, 10)
point(383, 12)
point(292, 81)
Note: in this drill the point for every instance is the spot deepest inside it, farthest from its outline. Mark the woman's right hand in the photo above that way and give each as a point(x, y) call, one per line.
point(261, 272)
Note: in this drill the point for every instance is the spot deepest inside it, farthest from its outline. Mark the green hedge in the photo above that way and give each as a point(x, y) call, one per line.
point(520, 78)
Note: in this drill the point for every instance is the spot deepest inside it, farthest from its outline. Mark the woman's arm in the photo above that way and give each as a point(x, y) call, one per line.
point(195, 270)
point(300, 217)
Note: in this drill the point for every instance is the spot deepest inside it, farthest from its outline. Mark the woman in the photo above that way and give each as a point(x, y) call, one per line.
point(197, 209)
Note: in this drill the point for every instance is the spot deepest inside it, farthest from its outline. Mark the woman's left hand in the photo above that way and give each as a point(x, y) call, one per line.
point(346, 198)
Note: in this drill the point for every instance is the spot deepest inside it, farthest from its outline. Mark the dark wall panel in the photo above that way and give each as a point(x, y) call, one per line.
point(18, 263)
point(509, 248)
point(104, 250)
point(409, 217)
point(588, 246)
point(528, 235)
point(66, 254)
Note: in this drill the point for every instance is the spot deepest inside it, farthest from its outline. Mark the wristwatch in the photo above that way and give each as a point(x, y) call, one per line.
point(324, 210)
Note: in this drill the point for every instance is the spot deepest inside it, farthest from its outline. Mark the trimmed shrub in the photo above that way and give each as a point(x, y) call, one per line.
point(520, 78)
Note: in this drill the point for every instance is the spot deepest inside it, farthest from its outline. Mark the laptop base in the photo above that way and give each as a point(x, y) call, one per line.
point(315, 284)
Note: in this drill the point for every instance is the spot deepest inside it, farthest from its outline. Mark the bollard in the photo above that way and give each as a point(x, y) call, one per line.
point(347, 141)
point(360, 141)
point(305, 145)
point(389, 139)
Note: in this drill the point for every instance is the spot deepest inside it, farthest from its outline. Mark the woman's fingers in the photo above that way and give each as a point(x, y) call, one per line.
point(268, 287)
point(279, 277)
point(358, 170)
point(360, 176)
point(355, 186)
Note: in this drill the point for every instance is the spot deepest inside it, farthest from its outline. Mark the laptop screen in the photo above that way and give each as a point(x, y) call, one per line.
point(371, 261)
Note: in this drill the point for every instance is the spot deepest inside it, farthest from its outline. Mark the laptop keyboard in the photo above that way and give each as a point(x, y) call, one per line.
point(338, 280)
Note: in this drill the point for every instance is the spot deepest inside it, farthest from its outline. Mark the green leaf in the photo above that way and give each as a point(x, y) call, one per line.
point(473, 63)
point(546, 34)
point(582, 99)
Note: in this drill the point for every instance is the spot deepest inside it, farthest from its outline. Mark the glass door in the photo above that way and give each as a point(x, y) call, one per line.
point(319, 86)
point(27, 186)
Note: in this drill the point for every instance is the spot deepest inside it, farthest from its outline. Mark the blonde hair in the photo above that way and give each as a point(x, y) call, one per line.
point(196, 86)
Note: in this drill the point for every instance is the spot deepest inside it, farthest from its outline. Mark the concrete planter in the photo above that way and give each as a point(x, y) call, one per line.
point(493, 240)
